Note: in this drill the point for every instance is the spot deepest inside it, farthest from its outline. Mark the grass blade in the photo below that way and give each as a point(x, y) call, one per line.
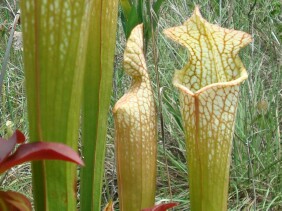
point(7, 52)
point(126, 8)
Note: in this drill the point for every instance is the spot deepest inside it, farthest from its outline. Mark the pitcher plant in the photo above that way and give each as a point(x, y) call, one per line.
point(209, 89)
point(54, 34)
point(136, 131)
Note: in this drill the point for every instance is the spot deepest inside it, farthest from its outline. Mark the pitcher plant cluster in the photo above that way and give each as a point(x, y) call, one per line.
point(68, 59)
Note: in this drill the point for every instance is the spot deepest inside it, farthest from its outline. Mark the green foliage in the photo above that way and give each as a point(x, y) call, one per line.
point(97, 91)
point(262, 132)
point(135, 12)
point(54, 46)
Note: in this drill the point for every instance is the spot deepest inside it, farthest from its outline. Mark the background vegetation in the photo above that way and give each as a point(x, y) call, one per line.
point(256, 169)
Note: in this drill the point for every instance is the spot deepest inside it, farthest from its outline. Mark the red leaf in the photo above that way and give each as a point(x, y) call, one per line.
point(40, 151)
point(161, 207)
point(7, 146)
point(14, 201)
point(20, 137)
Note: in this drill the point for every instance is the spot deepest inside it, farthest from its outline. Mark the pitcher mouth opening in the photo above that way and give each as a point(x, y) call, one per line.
point(214, 59)
point(177, 82)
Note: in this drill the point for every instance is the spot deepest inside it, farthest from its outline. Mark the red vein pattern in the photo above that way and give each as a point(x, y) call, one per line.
point(136, 135)
point(209, 89)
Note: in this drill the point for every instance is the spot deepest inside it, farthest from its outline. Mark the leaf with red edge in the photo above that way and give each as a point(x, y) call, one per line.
point(13, 201)
point(40, 151)
point(7, 146)
point(161, 207)
point(20, 137)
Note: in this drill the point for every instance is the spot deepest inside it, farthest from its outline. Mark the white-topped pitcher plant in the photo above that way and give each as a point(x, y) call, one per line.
point(209, 88)
point(136, 131)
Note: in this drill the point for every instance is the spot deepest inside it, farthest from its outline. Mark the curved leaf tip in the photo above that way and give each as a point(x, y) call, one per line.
point(19, 136)
point(7, 146)
point(33, 151)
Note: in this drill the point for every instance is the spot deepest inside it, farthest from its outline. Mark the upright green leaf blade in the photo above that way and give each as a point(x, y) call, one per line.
point(157, 5)
point(96, 99)
point(51, 34)
point(126, 7)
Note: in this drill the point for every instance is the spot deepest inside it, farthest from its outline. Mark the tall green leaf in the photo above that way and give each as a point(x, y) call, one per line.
point(53, 60)
point(140, 11)
point(126, 7)
point(157, 5)
point(96, 99)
